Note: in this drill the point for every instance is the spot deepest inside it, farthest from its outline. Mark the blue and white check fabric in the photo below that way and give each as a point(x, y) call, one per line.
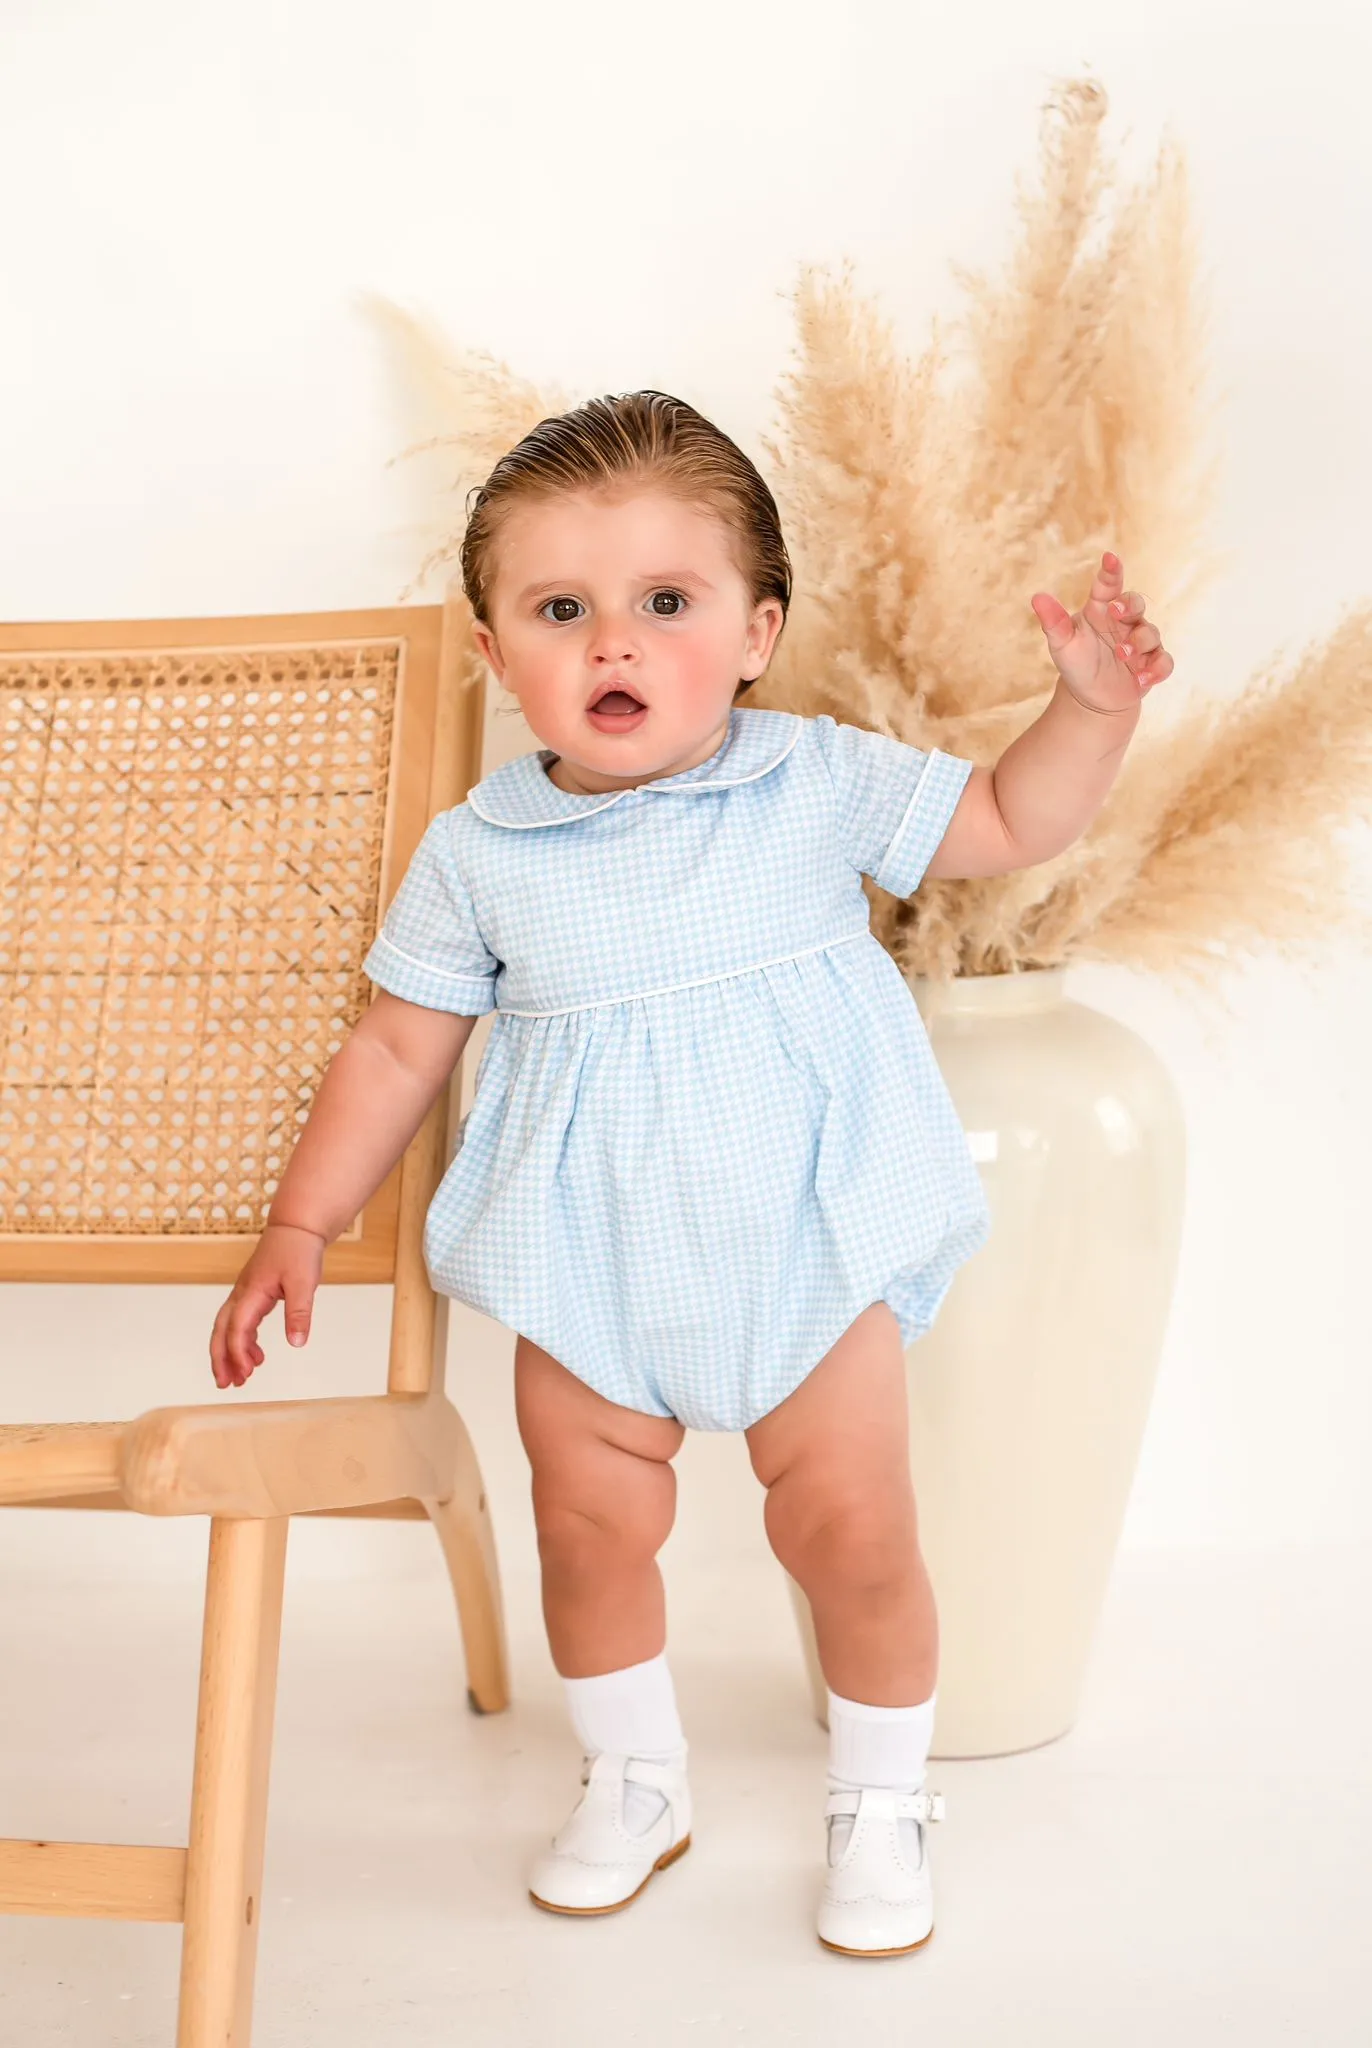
point(708, 1128)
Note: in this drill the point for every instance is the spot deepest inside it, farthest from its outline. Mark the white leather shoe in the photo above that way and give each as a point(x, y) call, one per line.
point(599, 1860)
point(878, 1895)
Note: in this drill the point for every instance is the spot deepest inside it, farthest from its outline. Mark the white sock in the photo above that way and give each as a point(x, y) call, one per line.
point(884, 1747)
point(632, 1712)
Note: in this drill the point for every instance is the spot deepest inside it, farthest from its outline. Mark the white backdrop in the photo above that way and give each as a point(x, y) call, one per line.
point(198, 415)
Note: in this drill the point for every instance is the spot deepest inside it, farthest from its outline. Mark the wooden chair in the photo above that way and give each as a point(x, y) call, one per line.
point(205, 820)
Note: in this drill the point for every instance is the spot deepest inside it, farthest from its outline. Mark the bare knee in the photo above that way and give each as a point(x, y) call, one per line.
point(842, 1533)
point(621, 1519)
point(604, 1491)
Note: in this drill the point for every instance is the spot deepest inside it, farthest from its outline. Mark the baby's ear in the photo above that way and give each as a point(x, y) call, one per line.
point(487, 648)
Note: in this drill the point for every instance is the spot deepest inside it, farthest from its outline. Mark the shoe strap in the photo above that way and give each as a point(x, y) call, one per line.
point(662, 1777)
point(920, 1805)
point(638, 1770)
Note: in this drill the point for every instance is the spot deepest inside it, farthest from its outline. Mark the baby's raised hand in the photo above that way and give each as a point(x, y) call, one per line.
point(284, 1265)
point(1108, 653)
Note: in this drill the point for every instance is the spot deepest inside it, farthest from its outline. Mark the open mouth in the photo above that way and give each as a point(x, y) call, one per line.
point(616, 704)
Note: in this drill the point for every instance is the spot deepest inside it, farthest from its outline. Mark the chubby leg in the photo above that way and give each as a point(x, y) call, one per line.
point(604, 1497)
point(840, 1515)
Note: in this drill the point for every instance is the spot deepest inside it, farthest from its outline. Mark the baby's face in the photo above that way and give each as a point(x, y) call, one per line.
point(636, 593)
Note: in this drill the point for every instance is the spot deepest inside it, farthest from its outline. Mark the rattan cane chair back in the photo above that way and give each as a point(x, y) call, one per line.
point(202, 821)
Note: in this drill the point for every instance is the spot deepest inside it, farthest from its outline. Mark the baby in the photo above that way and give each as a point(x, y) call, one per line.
point(712, 1177)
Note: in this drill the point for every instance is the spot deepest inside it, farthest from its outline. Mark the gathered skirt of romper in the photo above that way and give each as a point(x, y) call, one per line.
point(687, 1197)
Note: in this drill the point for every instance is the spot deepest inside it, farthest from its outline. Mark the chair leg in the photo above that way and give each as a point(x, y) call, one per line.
point(463, 1522)
point(243, 1595)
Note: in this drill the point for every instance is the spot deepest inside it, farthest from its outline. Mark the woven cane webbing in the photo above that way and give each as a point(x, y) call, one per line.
point(190, 861)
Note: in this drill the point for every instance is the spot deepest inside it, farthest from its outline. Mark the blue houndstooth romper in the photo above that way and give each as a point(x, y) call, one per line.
point(708, 1128)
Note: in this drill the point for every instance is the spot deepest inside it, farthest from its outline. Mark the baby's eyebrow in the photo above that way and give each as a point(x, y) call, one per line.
point(648, 576)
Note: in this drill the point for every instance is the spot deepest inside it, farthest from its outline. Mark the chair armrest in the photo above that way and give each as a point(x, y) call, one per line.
point(43, 1460)
point(290, 1457)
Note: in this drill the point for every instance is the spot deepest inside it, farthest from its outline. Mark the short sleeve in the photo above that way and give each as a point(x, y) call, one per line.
point(894, 802)
point(429, 949)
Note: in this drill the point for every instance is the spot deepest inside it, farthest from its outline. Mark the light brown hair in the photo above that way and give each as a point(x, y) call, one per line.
point(632, 438)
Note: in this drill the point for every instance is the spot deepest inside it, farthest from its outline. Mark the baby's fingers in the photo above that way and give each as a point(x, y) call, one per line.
point(219, 1355)
point(242, 1352)
point(297, 1297)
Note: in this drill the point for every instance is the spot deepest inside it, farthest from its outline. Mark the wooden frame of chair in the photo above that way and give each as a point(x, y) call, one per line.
point(249, 1467)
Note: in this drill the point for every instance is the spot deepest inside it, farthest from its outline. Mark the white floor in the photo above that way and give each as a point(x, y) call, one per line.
point(1189, 1864)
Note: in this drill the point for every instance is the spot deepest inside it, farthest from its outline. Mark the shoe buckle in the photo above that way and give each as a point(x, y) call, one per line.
point(927, 1805)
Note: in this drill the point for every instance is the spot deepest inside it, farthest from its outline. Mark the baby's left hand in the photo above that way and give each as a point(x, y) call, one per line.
point(1108, 654)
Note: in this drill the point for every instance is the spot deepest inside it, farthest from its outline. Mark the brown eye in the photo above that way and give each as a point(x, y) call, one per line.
point(679, 602)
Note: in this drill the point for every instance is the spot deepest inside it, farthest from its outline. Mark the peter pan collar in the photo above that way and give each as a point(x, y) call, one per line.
point(520, 793)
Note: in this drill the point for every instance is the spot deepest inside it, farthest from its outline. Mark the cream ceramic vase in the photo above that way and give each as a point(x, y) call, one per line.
point(1029, 1396)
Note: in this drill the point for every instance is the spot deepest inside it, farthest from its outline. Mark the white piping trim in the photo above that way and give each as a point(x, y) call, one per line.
point(681, 789)
point(479, 980)
point(534, 824)
point(637, 995)
point(910, 809)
